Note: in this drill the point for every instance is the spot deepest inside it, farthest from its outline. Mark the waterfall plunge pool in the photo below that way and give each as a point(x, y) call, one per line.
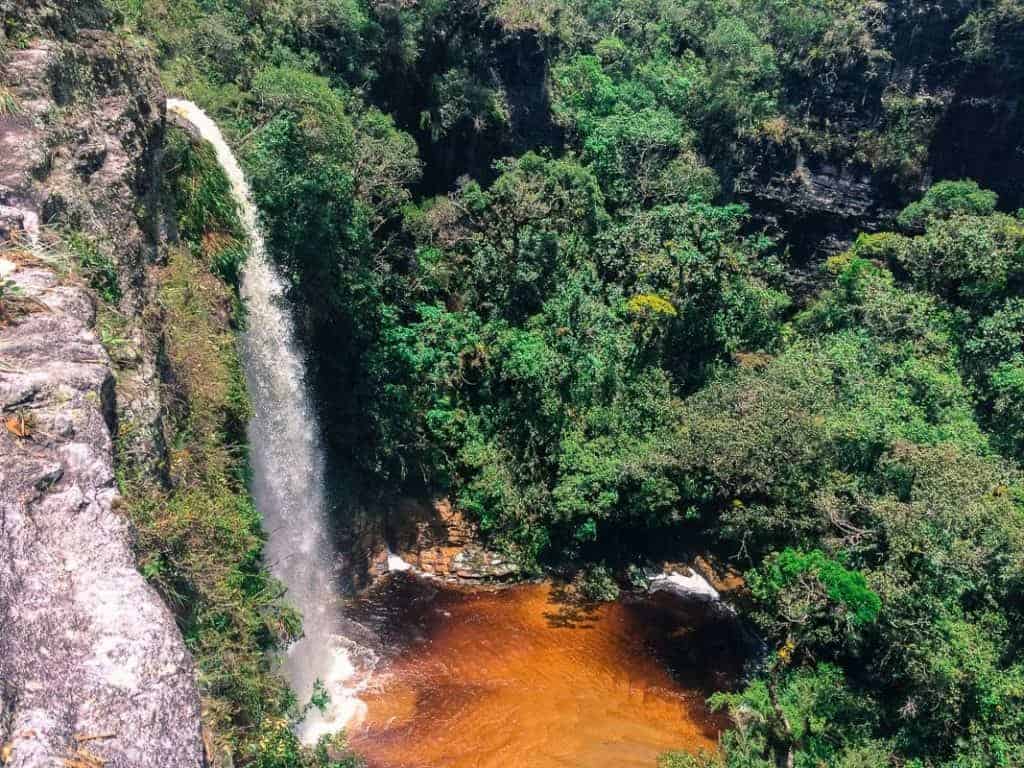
point(523, 677)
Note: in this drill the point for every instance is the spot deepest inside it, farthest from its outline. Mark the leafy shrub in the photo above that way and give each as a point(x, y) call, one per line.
point(597, 584)
point(971, 261)
point(991, 35)
point(208, 217)
point(8, 102)
point(8, 290)
point(644, 304)
point(277, 746)
point(808, 587)
point(126, 12)
point(903, 141)
point(807, 717)
point(946, 199)
point(886, 247)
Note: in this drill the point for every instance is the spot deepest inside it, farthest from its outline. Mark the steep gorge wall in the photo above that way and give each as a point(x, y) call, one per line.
point(963, 118)
point(92, 665)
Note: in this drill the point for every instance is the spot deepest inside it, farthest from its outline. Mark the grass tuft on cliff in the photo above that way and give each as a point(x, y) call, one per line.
point(199, 536)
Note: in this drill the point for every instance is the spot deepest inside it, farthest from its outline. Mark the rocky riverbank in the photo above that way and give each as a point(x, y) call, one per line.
point(437, 541)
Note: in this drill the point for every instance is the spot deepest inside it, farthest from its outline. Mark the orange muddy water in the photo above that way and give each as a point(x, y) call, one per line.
point(521, 678)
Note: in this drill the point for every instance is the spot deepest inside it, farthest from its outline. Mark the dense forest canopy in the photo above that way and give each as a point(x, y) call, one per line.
point(590, 267)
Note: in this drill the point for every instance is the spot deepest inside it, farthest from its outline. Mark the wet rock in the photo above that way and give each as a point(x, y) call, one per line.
point(437, 540)
point(475, 563)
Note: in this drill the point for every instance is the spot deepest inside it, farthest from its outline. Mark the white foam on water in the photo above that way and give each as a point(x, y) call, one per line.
point(396, 563)
point(693, 586)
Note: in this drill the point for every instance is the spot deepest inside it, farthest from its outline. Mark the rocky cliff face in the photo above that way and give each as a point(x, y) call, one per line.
point(93, 670)
point(924, 111)
point(437, 541)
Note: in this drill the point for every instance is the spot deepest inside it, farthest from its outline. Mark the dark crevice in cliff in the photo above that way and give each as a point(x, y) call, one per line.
point(500, 80)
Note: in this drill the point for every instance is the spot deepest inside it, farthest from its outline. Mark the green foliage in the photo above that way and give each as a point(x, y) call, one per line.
point(8, 291)
point(461, 98)
point(96, 265)
point(846, 588)
point(630, 130)
point(8, 288)
point(856, 456)
point(903, 141)
point(648, 304)
point(964, 252)
point(597, 584)
point(743, 73)
point(9, 105)
point(879, 247)
point(199, 540)
point(807, 718)
point(945, 200)
point(807, 599)
point(521, 378)
point(279, 747)
point(126, 12)
point(206, 211)
point(202, 193)
point(589, 342)
point(994, 355)
point(973, 258)
point(991, 36)
point(300, 168)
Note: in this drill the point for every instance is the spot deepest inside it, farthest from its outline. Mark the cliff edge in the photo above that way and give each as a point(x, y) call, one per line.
point(93, 670)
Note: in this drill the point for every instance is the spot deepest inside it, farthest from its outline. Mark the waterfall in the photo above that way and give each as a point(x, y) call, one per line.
point(288, 465)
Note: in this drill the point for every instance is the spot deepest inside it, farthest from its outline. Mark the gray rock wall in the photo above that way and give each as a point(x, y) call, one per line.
point(93, 670)
point(91, 661)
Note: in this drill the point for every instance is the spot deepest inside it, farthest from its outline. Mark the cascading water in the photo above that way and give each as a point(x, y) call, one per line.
point(288, 465)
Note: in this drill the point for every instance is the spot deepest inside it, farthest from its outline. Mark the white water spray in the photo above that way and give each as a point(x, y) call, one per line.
point(288, 464)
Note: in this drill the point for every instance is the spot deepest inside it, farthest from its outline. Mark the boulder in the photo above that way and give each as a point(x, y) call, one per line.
point(435, 539)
